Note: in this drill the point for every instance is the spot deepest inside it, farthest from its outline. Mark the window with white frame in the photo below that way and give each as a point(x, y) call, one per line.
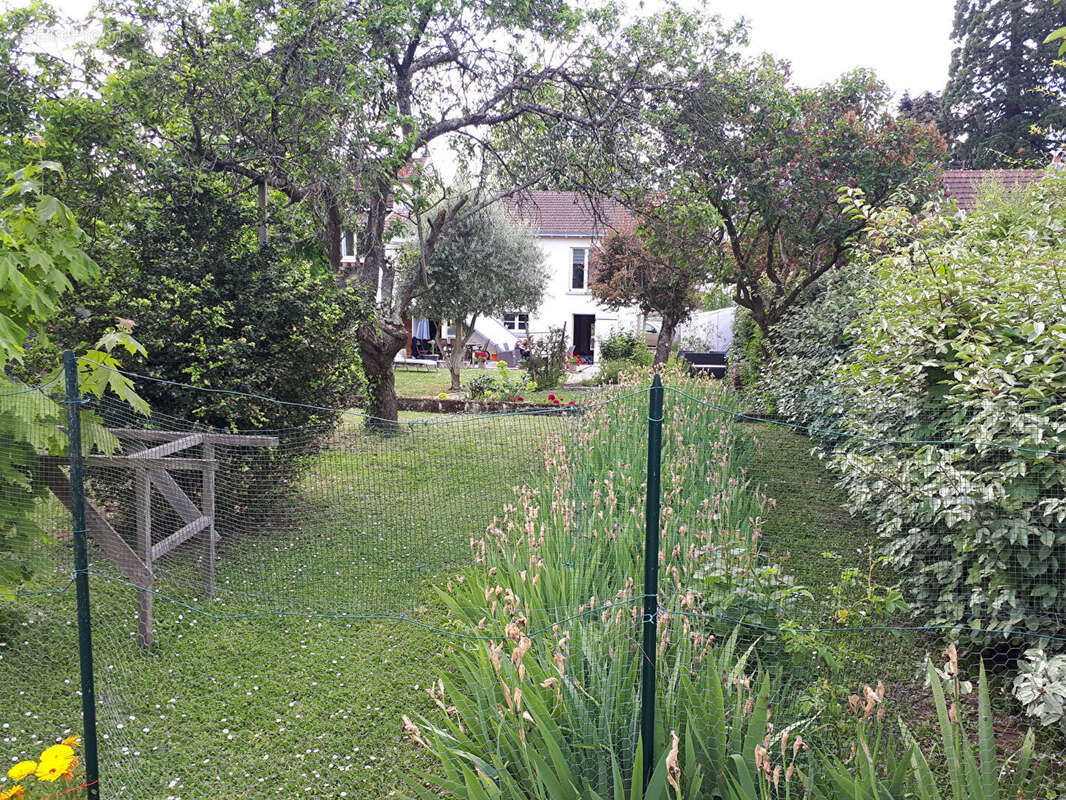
point(519, 323)
point(579, 268)
point(348, 246)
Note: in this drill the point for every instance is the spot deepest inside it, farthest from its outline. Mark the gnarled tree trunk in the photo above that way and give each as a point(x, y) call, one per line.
point(381, 338)
point(378, 346)
point(666, 340)
point(463, 332)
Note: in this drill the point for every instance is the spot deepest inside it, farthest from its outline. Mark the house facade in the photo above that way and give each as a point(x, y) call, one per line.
point(566, 229)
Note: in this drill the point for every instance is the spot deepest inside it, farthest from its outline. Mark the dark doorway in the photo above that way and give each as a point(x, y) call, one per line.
point(584, 327)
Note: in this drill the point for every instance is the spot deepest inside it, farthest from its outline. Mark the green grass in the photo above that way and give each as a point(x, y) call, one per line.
point(810, 532)
point(419, 383)
point(282, 686)
point(286, 686)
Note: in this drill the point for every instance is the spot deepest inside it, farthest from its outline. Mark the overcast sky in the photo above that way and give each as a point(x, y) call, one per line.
point(905, 41)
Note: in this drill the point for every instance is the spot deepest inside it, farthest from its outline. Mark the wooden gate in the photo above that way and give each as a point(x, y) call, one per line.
point(151, 468)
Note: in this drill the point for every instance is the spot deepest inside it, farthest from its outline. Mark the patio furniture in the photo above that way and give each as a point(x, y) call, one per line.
point(713, 362)
point(403, 361)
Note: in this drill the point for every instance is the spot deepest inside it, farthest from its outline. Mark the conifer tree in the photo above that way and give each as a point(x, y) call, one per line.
point(1002, 103)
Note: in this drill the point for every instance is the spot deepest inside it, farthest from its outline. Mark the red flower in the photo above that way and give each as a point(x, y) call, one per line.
point(520, 400)
point(556, 402)
point(571, 402)
point(551, 397)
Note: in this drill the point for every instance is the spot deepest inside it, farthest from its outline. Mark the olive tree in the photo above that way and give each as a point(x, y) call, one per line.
point(484, 265)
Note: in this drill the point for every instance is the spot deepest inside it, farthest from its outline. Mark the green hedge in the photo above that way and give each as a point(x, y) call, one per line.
point(954, 342)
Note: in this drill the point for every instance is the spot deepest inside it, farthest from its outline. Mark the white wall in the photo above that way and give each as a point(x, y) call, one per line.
point(561, 302)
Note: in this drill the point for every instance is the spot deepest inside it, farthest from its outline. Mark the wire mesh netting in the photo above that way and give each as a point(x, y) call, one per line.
point(351, 609)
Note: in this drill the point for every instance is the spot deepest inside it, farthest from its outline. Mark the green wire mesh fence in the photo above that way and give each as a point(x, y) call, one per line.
point(456, 605)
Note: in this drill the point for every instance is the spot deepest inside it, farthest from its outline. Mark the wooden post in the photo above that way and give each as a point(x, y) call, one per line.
point(207, 504)
point(143, 492)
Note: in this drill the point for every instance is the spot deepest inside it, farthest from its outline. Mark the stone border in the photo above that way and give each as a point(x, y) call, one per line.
point(436, 405)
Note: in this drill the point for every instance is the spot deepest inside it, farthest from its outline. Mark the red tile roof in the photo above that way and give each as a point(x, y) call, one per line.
point(568, 213)
point(964, 184)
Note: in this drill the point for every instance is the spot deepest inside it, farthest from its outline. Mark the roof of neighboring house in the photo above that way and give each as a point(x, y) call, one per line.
point(568, 213)
point(964, 184)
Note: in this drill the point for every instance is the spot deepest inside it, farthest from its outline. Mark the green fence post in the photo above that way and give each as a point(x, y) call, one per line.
point(651, 578)
point(81, 575)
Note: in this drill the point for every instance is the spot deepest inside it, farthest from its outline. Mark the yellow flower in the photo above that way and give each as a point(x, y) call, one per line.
point(14, 791)
point(21, 770)
point(55, 762)
point(58, 751)
point(72, 741)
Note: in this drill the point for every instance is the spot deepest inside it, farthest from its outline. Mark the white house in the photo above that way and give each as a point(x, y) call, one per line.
point(567, 228)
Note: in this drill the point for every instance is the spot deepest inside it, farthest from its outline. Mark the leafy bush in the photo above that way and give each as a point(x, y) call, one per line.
point(623, 345)
point(41, 250)
point(216, 309)
point(801, 381)
point(747, 357)
point(505, 385)
point(611, 371)
point(959, 357)
point(480, 385)
point(1041, 686)
point(546, 361)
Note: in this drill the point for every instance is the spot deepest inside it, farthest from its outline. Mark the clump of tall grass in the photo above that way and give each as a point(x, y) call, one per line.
point(545, 701)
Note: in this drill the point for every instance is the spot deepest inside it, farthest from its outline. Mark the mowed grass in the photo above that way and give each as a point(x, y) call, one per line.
point(809, 531)
point(325, 632)
point(419, 383)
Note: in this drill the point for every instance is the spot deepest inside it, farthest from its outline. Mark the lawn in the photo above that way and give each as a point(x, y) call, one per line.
point(286, 684)
point(328, 629)
point(809, 531)
point(419, 383)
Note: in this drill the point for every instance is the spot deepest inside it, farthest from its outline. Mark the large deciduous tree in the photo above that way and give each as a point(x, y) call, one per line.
point(266, 92)
point(1003, 98)
point(770, 158)
point(484, 265)
point(331, 102)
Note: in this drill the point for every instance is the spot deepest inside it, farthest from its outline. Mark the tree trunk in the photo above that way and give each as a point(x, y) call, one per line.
point(455, 366)
point(262, 202)
point(378, 347)
point(666, 341)
point(439, 339)
point(333, 236)
point(463, 332)
point(381, 338)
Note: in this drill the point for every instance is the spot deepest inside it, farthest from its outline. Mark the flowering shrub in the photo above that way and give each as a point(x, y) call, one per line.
point(55, 772)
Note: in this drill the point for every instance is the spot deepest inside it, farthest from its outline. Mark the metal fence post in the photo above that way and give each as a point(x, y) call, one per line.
point(81, 575)
point(651, 579)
